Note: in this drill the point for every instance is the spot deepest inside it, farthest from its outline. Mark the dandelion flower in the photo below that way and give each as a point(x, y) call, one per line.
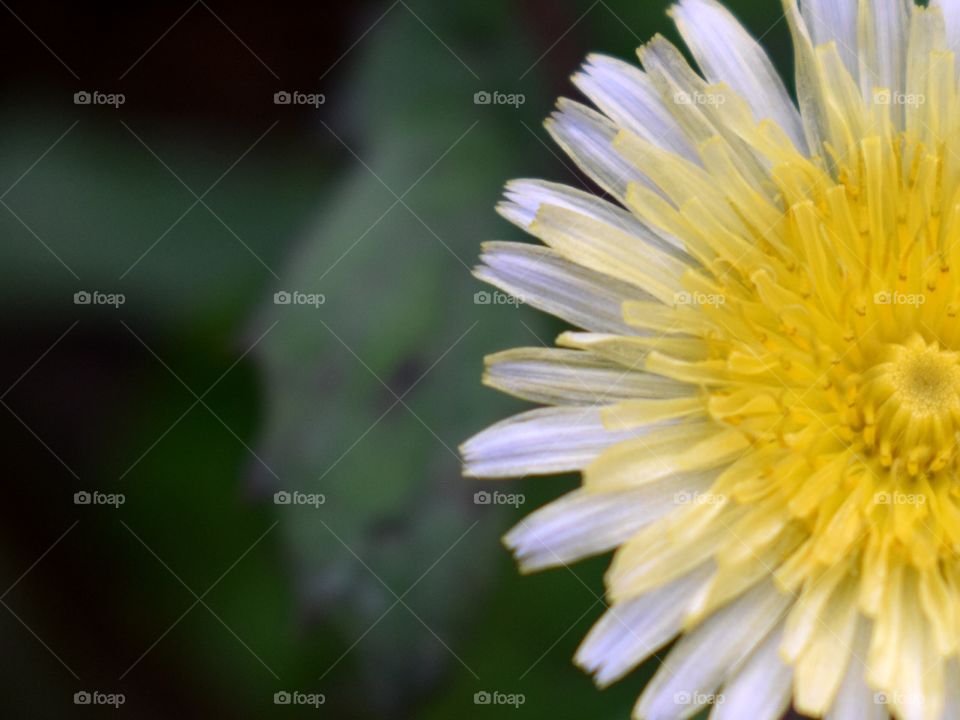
point(762, 395)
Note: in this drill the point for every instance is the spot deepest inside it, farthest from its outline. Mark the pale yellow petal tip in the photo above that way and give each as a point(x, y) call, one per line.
point(623, 139)
point(488, 246)
point(658, 40)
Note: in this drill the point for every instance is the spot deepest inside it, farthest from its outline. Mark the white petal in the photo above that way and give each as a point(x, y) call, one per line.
point(678, 85)
point(703, 658)
point(808, 82)
point(625, 94)
point(581, 523)
point(630, 632)
point(587, 137)
point(570, 377)
point(611, 252)
point(855, 700)
point(525, 198)
point(951, 707)
point(951, 14)
point(881, 41)
point(727, 54)
point(542, 278)
point(760, 689)
point(545, 441)
point(834, 21)
point(822, 664)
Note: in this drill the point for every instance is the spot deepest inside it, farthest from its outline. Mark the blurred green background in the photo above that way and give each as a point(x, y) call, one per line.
point(200, 397)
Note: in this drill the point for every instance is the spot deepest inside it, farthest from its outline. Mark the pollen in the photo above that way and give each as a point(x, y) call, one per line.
point(925, 380)
point(911, 407)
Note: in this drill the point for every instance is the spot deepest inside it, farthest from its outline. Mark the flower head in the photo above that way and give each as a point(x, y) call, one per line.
point(763, 393)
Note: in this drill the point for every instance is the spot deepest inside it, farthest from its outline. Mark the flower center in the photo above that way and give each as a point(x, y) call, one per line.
point(926, 380)
point(911, 406)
